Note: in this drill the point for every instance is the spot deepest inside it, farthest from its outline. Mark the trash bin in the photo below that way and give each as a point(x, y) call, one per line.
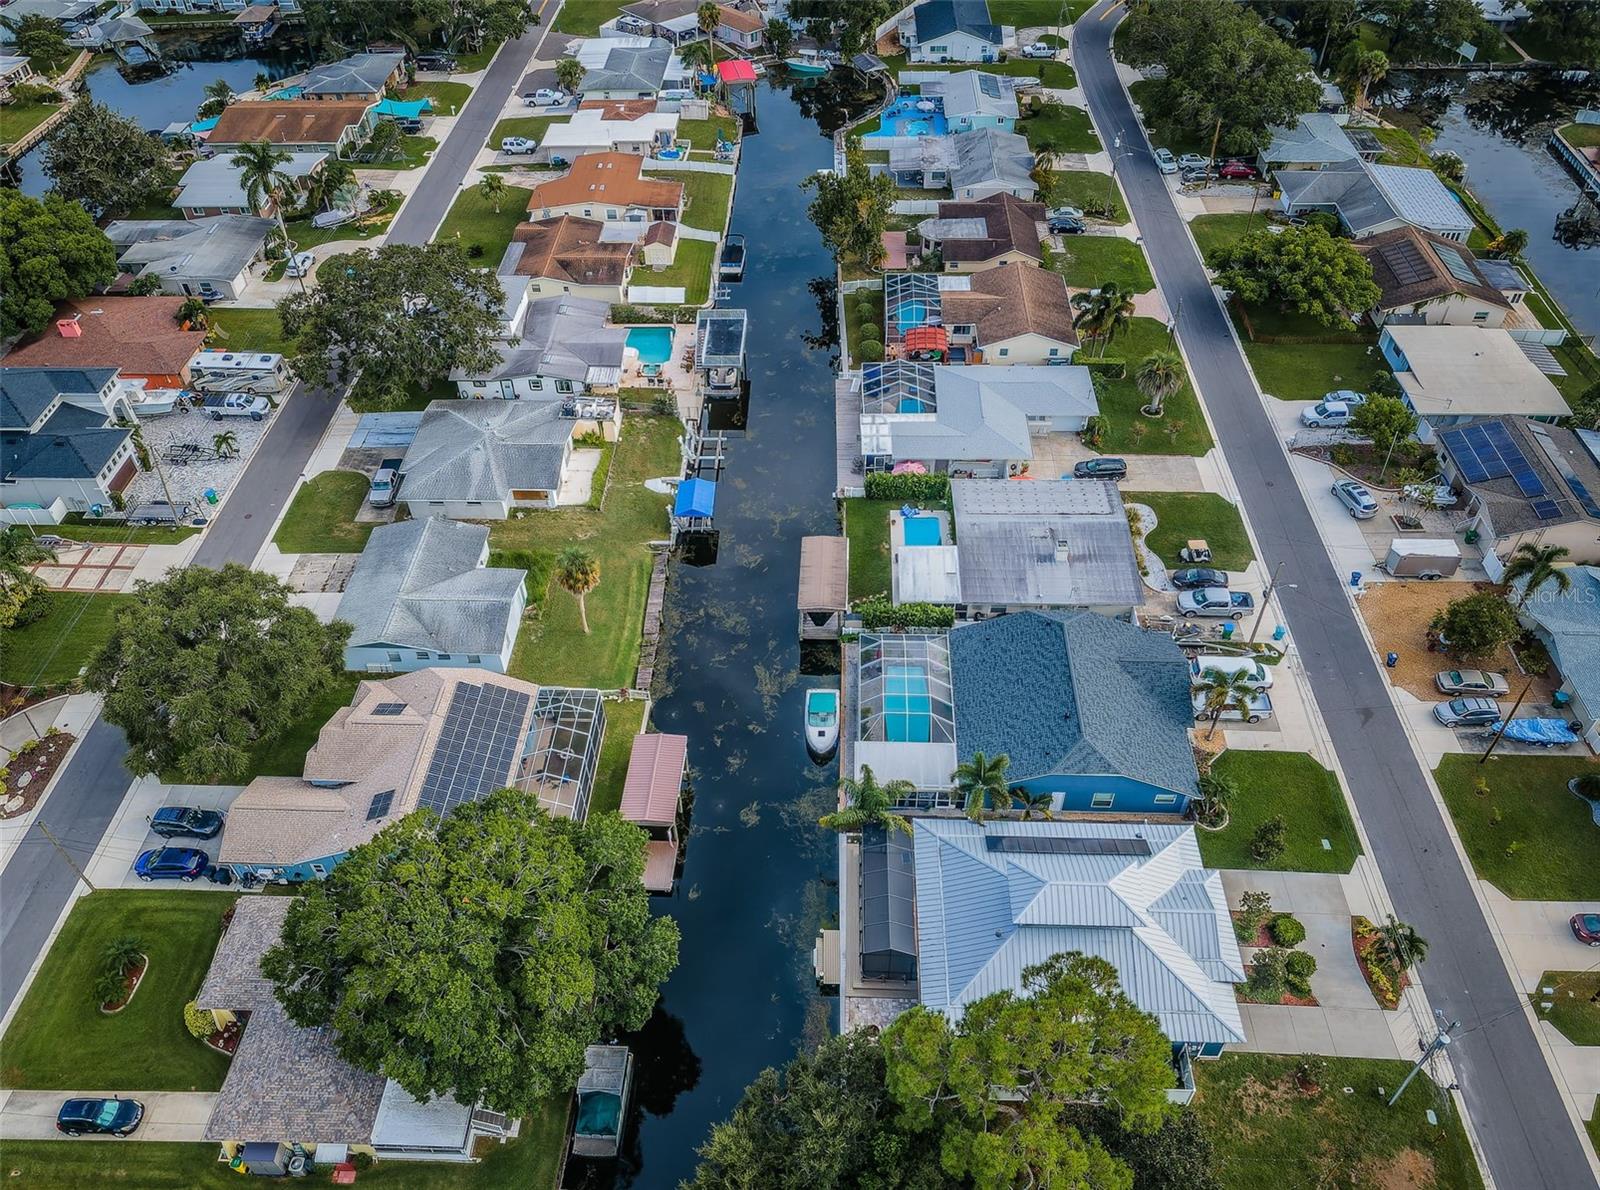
point(211, 495)
point(1355, 578)
point(1279, 632)
point(1392, 660)
point(1227, 631)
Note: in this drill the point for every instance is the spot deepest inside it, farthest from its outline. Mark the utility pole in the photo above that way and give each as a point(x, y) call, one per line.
point(66, 855)
point(1211, 161)
point(1440, 1040)
point(1266, 598)
point(1505, 723)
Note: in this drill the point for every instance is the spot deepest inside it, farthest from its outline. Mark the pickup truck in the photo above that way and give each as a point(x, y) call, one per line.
point(1215, 601)
point(385, 484)
point(248, 405)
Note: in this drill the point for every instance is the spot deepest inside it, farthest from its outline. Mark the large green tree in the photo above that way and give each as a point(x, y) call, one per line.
point(1227, 73)
point(337, 26)
point(998, 1089)
point(1476, 625)
point(852, 209)
point(1569, 28)
point(478, 954)
point(50, 250)
point(1387, 422)
point(1428, 30)
point(824, 1122)
point(41, 40)
point(396, 319)
point(104, 160)
point(205, 664)
point(1303, 269)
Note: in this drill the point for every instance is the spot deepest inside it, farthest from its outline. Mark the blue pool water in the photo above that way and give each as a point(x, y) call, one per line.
point(907, 707)
point(910, 313)
point(923, 530)
point(653, 343)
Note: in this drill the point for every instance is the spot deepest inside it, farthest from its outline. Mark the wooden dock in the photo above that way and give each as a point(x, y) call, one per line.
point(651, 640)
point(847, 437)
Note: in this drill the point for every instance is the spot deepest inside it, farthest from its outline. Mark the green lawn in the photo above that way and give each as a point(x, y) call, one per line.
point(1305, 371)
point(703, 133)
point(1180, 430)
point(1182, 515)
point(1575, 1004)
point(321, 520)
point(474, 223)
point(1218, 231)
point(1165, 132)
point(1065, 129)
point(866, 524)
point(1401, 148)
point(1581, 136)
point(586, 16)
point(1558, 852)
point(76, 529)
point(528, 1163)
point(238, 329)
point(19, 119)
point(1291, 784)
point(1057, 75)
point(448, 98)
point(60, 1040)
point(417, 399)
point(691, 268)
point(1088, 262)
point(1269, 1134)
point(553, 648)
point(1025, 14)
point(1086, 190)
point(529, 126)
point(56, 646)
point(706, 198)
point(624, 720)
point(414, 154)
point(305, 235)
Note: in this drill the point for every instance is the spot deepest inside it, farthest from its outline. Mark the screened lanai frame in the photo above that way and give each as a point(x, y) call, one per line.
point(904, 688)
point(910, 300)
point(562, 750)
point(898, 387)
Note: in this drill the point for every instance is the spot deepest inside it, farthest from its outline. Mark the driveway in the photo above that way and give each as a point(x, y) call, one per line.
point(112, 865)
point(168, 1115)
point(1528, 1135)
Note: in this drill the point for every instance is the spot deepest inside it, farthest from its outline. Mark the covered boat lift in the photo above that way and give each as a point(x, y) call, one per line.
point(824, 596)
point(651, 796)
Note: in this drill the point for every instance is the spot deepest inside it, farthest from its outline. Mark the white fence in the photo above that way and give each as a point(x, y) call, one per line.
point(917, 206)
point(657, 295)
point(54, 514)
point(1548, 338)
point(691, 166)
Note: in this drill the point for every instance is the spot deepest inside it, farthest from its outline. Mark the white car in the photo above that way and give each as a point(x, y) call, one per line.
point(1347, 396)
point(517, 144)
point(300, 265)
point(1327, 415)
point(1038, 49)
point(1356, 498)
point(545, 97)
point(1063, 213)
point(1166, 162)
point(1260, 708)
point(1194, 161)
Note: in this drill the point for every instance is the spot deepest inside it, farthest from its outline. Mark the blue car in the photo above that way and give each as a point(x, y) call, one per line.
point(171, 863)
point(108, 1117)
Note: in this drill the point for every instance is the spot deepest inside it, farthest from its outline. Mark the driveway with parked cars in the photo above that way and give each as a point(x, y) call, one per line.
point(131, 836)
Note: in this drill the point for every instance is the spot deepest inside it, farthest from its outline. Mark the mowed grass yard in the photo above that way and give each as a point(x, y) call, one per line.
point(59, 1038)
point(690, 268)
point(1182, 515)
point(866, 524)
point(483, 232)
point(322, 517)
point(1294, 785)
point(554, 648)
point(1575, 1004)
point(53, 648)
point(1064, 129)
point(1219, 231)
point(1088, 262)
point(1083, 188)
point(1545, 846)
point(1305, 371)
point(239, 329)
point(1270, 1134)
point(1051, 73)
point(624, 720)
point(1180, 430)
point(706, 198)
point(584, 17)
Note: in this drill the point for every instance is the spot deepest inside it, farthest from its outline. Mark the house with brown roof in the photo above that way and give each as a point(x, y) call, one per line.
point(1011, 314)
point(977, 235)
point(568, 254)
point(299, 125)
point(1427, 280)
point(139, 336)
point(610, 187)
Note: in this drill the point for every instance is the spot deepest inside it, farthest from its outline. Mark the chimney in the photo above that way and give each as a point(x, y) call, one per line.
point(68, 328)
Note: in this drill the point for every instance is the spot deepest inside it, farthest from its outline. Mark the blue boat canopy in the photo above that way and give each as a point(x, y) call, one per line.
point(696, 497)
point(408, 110)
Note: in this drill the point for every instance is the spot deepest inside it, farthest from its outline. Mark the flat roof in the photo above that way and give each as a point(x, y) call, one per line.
point(824, 574)
point(1472, 370)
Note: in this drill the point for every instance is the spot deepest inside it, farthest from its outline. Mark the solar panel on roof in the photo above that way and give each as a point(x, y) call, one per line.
point(1406, 263)
point(1456, 263)
point(1455, 441)
point(1546, 510)
point(1590, 443)
point(1066, 845)
point(989, 85)
point(389, 708)
point(381, 802)
point(473, 756)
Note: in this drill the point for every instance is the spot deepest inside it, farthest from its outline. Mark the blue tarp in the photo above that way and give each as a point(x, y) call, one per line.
point(200, 126)
point(404, 111)
point(1539, 731)
point(696, 497)
point(287, 93)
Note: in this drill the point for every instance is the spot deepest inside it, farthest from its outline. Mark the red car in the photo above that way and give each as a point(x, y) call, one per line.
point(1586, 928)
point(1237, 170)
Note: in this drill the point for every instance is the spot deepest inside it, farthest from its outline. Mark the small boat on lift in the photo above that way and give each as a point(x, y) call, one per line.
point(731, 266)
point(822, 721)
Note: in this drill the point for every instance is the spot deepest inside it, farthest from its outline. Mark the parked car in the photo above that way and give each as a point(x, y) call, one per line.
point(1260, 708)
point(1586, 928)
point(300, 265)
point(1327, 414)
point(1166, 162)
point(1257, 675)
point(1198, 576)
point(1356, 498)
point(105, 1117)
point(1348, 395)
point(1194, 161)
point(385, 483)
point(1038, 49)
point(185, 822)
point(1435, 493)
point(442, 62)
point(1215, 601)
point(171, 863)
point(251, 405)
point(409, 125)
point(517, 144)
point(1473, 682)
point(1107, 467)
point(545, 97)
point(1236, 171)
point(1196, 176)
point(1467, 712)
point(1064, 213)
point(1065, 227)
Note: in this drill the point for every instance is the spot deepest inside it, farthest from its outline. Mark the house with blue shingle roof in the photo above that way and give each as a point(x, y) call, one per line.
point(953, 31)
point(58, 439)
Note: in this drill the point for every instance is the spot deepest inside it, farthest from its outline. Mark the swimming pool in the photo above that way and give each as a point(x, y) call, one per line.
point(907, 705)
point(653, 343)
point(923, 530)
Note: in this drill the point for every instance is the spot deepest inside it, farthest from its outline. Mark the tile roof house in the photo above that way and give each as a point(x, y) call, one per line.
point(139, 336)
point(1092, 710)
point(211, 186)
point(562, 346)
point(1427, 280)
point(1370, 198)
point(303, 125)
point(607, 186)
point(568, 255)
point(58, 440)
point(1051, 543)
point(1011, 314)
point(991, 161)
point(204, 257)
point(1314, 141)
point(970, 236)
point(425, 587)
point(358, 77)
point(953, 31)
point(477, 460)
point(1451, 374)
point(995, 898)
point(1567, 623)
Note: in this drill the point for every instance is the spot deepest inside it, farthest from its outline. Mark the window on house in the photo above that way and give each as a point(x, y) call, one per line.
point(1055, 350)
point(443, 657)
point(421, 655)
point(1480, 316)
point(319, 870)
point(394, 656)
point(1166, 799)
point(536, 384)
point(474, 659)
point(1102, 801)
point(1005, 351)
point(563, 386)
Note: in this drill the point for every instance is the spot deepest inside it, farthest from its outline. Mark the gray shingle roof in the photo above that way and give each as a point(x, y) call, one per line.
point(73, 444)
point(1570, 624)
point(973, 93)
point(1074, 693)
point(216, 248)
point(419, 585)
point(25, 393)
point(357, 73)
point(1347, 188)
point(1315, 139)
point(565, 338)
point(630, 68)
point(234, 982)
point(988, 156)
point(481, 450)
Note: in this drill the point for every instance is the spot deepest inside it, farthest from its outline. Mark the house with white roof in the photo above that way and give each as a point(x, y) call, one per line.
point(625, 67)
point(477, 460)
point(211, 186)
point(597, 130)
point(209, 258)
point(1452, 374)
point(969, 98)
point(1369, 198)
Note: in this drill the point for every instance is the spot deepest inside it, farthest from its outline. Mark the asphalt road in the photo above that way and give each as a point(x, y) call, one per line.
point(37, 882)
point(1519, 1115)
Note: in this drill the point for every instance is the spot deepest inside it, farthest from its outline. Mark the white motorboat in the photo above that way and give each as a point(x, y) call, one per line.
point(148, 402)
point(822, 721)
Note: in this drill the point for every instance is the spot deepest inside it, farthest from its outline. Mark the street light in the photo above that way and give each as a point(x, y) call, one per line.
point(1266, 598)
point(1111, 182)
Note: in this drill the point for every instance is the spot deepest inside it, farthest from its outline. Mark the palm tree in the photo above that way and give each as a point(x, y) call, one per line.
point(569, 73)
point(1033, 803)
point(579, 573)
point(709, 16)
point(869, 804)
point(493, 188)
point(218, 90)
point(226, 444)
point(1362, 69)
point(1399, 944)
point(328, 183)
point(19, 549)
point(1046, 157)
point(1223, 691)
point(982, 782)
point(695, 55)
point(263, 81)
point(263, 180)
point(1509, 244)
point(1537, 564)
point(1102, 312)
point(194, 312)
point(1160, 374)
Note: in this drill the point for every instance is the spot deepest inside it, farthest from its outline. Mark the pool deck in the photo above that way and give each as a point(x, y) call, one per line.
point(673, 375)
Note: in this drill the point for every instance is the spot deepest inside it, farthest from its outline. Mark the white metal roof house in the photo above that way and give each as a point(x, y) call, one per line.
point(1370, 198)
point(563, 347)
point(970, 98)
point(423, 594)
point(208, 258)
point(954, 31)
point(477, 460)
point(593, 130)
point(1452, 374)
point(211, 186)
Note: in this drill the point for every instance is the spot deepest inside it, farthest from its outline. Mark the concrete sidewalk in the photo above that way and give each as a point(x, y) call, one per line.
point(73, 713)
point(168, 1115)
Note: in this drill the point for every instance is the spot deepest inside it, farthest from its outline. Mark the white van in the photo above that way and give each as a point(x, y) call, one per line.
point(1257, 675)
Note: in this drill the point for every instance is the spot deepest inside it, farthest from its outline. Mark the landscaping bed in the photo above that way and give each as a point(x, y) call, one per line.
point(132, 976)
point(1306, 795)
point(28, 772)
point(1380, 976)
point(1574, 1004)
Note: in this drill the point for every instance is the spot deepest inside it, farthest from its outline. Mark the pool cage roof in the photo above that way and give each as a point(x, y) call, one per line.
point(905, 691)
point(888, 897)
point(563, 747)
point(898, 387)
point(910, 300)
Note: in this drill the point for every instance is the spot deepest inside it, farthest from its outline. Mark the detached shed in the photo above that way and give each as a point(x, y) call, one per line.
point(650, 797)
point(824, 586)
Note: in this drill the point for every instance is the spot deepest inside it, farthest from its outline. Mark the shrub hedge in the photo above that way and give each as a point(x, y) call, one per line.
point(923, 489)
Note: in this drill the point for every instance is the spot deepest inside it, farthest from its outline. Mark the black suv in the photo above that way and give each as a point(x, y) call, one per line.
point(185, 822)
point(1106, 468)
